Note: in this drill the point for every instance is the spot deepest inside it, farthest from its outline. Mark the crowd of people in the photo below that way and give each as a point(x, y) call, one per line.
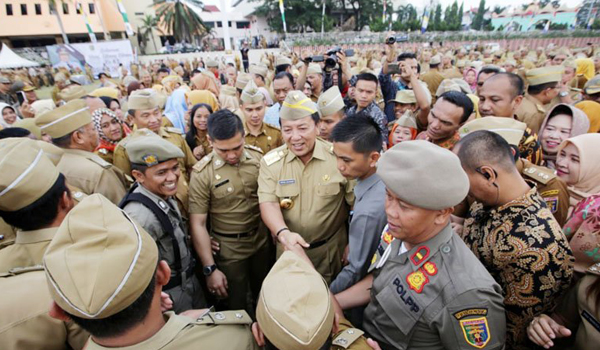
point(378, 199)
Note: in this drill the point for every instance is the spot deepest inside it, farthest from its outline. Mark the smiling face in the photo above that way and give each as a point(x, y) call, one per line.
point(555, 132)
point(567, 164)
point(300, 135)
point(201, 118)
point(160, 179)
point(111, 128)
point(9, 115)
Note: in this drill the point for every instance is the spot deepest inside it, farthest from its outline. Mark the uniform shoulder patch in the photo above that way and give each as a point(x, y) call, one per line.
point(540, 174)
point(254, 148)
point(225, 317)
point(202, 163)
point(476, 331)
point(173, 130)
point(273, 157)
point(347, 337)
point(100, 161)
point(273, 126)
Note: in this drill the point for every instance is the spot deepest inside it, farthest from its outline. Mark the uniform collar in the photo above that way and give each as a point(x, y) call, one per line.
point(164, 205)
point(535, 101)
point(247, 129)
point(362, 186)
point(35, 236)
point(423, 252)
point(319, 151)
point(163, 133)
point(218, 162)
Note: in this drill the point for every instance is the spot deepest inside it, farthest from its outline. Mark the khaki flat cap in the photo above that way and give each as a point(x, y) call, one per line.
point(282, 60)
point(405, 96)
point(42, 106)
point(297, 106)
point(407, 121)
point(28, 88)
point(435, 60)
point(151, 149)
point(27, 174)
point(592, 86)
point(211, 63)
point(251, 94)
point(106, 91)
point(294, 307)
point(424, 175)
point(510, 129)
point(539, 76)
point(314, 68)
point(228, 90)
point(72, 93)
point(461, 63)
point(4, 80)
point(570, 62)
point(128, 80)
point(259, 69)
point(29, 124)
point(143, 100)
point(171, 79)
point(330, 102)
point(64, 119)
point(242, 80)
point(447, 85)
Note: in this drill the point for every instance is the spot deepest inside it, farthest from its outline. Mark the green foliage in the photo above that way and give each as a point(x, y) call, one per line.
point(436, 24)
point(478, 20)
point(408, 19)
point(180, 19)
point(149, 22)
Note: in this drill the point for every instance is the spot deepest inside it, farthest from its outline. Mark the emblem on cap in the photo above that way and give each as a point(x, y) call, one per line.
point(150, 159)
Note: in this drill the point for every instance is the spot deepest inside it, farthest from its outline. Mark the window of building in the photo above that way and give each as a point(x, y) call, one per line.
point(9, 11)
point(230, 24)
point(24, 9)
point(38, 9)
point(77, 9)
point(219, 24)
point(209, 24)
point(65, 7)
point(242, 25)
point(92, 8)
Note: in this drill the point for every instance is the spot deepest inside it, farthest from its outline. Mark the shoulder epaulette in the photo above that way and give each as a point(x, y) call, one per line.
point(202, 163)
point(96, 159)
point(347, 337)
point(225, 317)
point(273, 126)
point(540, 174)
point(273, 157)
point(254, 148)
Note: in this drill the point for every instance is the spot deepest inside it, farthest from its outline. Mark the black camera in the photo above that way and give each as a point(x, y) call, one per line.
point(396, 39)
point(332, 60)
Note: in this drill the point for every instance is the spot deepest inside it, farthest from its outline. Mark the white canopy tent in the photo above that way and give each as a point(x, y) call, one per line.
point(9, 59)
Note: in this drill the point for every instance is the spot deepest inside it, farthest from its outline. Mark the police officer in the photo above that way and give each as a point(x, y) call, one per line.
point(71, 129)
point(258, 133)
point(303, 197)
point(104, 273)
point(155, 164)
point(427, 291)
point(223, 187)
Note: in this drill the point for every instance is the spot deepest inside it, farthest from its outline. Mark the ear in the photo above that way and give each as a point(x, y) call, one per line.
point(259, 337)
point(517, 102)
point(76, 137)
point(373, 158)
point(163, 273)
point(489, 173)
point(66, 201)
point(442, 217)
point(210, 140)
point(138, 176)
point(56, 312)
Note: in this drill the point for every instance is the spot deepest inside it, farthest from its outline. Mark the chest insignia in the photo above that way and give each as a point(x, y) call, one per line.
point(417, 280)
point(326, 178)
point(286, 203)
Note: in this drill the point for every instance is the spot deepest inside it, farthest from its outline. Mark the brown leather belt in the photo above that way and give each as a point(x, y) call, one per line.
point(237, 235)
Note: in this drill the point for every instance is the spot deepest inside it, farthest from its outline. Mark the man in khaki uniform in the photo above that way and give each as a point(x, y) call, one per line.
point(223, 187)
point(303, 197)
point(258, 133)
point(427, 290)
point(151, 202)
point(71, 128)
point(331, 111)
point(433, 78)
point(543, 87)
point(104, 273)
point(289, 321)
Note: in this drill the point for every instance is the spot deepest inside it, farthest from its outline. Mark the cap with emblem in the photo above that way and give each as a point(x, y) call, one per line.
point(423, 174)
point(4, 80)
point(435, 60)
point(27, 174)
point(510, 129)
point(251, 94)
point(100, 260)
point(143, 100)
point(151, 150)
point(405, 97)
point(330, 102)
point(72, 93)
point(242, 80)
point(314, 68)
point(261, 70)
point(282, 60)
point(64, 119)
point(212, 63)
point(539, 76)
point(297, 106)
point(294, 307)
point(592, 86)
point(407, 121)
point(106, 91)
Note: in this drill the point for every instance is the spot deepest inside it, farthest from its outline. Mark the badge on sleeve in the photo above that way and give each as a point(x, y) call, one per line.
point(476, 331)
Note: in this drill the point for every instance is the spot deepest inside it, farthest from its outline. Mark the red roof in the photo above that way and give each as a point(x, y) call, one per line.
point(211, 8)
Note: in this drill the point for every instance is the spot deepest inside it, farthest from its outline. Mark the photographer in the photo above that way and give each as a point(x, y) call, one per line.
point(336, 63)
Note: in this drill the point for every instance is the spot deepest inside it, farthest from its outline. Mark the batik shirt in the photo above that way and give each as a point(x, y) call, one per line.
point(524, 249)
point(583, 231)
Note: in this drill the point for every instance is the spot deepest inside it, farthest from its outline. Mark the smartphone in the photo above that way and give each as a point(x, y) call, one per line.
point(394, 68)
point(349, 52)
point(21, 97)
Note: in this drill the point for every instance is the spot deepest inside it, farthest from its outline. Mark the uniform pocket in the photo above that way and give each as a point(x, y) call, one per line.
point(331, 189)
point(399, 306)
point(223, 191)
point(287, 191)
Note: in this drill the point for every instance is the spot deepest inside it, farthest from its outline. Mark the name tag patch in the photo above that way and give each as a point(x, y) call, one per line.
point(408, 300)
point(287, 182)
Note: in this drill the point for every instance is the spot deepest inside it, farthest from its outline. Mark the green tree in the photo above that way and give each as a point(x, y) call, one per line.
point(300, 15)
point(478, 20)
point(437, 18)
point(149, 22)
point(454, 20)
point(447, 22)
point(180, 19)
point(461, 12)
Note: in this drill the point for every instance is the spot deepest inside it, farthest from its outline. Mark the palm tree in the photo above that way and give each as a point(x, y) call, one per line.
point(180, 19)
point(145, 31)
point(54, 10)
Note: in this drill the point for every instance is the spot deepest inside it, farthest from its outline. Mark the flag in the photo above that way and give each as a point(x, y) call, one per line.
point(384, 8)
point(87, 21)
point(282, 10)
point(547, 27)
point(128, 28)
point(425, 21)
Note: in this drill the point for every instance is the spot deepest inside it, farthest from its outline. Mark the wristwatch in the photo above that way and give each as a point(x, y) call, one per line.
point(208, 270)
point(563, 94)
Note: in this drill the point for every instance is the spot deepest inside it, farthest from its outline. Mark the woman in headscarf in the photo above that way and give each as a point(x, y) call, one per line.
point(585, 71)
point(228, 98)
point(203, 81)
point(176, 108)
point(114, 105)
point(8, 116)
point(470, 76)
point(404, 129)
point(202, 96)
point(562, 122)
point(196, 137)
point(111, 130)
point(592, 110)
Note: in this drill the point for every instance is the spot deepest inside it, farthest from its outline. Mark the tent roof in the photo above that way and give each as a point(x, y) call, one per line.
point(9, 59)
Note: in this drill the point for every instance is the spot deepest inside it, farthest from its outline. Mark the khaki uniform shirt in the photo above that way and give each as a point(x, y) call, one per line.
point(433, 79)
point(203, 141)
point(551, 188)
point(92, 174)
point(532, 113)
point(24, 320)
point(317, 198)
point(7, 234)
point(349, 338)
point(452, 73)
point(267, 140)
point(28, 250)
point(105, 154)
point(217, 330)
point(436, 295)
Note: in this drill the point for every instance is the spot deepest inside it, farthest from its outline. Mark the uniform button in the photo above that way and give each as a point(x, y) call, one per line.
point(219, 316)
point(446, 249)
point(238, 315)
point(350, 331)
point(229, 189)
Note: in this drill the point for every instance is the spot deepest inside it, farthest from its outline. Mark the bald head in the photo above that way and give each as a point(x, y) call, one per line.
point(485, 148)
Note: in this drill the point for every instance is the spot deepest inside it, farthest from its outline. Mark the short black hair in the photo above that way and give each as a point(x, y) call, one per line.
point(361, 130)
point(283, 75)
point(122, 321)
point(431, 65)
point(258, 75)
point(40, 213)
point(485, 147)
point(63, 141)
point(407, 56)
point(194, 72)
point(139, 167)
point(488, 70)
point(102, 74)
point(190, 135)
point(224, 124)
point(459, 99)
point(281, 68)
point(163, 70)
point(14, 132)
point(514, 80)
point(537, 89)
point(367, 77)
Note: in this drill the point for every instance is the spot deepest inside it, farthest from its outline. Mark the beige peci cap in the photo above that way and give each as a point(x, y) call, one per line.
point(314, 68)
point(407, 121)
point(330, 102)
point(405, 96)
point(42, 106)
point(445, 86)
point(29, 124)
point(212, 63)
point(72, 93)
point(294, 306)
point(282, 60)
point(259, 69)
point(251, 94)
point(510, 129)
point(151, 149)
point(297, 106)
point(64, 119)
point(423, 174)
point(242, 80)
point(539, 76)
point(435, 60)
point(106, 91)
point(592, 86)
point(228, 90)
point(100, 260)
point(143, 100)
